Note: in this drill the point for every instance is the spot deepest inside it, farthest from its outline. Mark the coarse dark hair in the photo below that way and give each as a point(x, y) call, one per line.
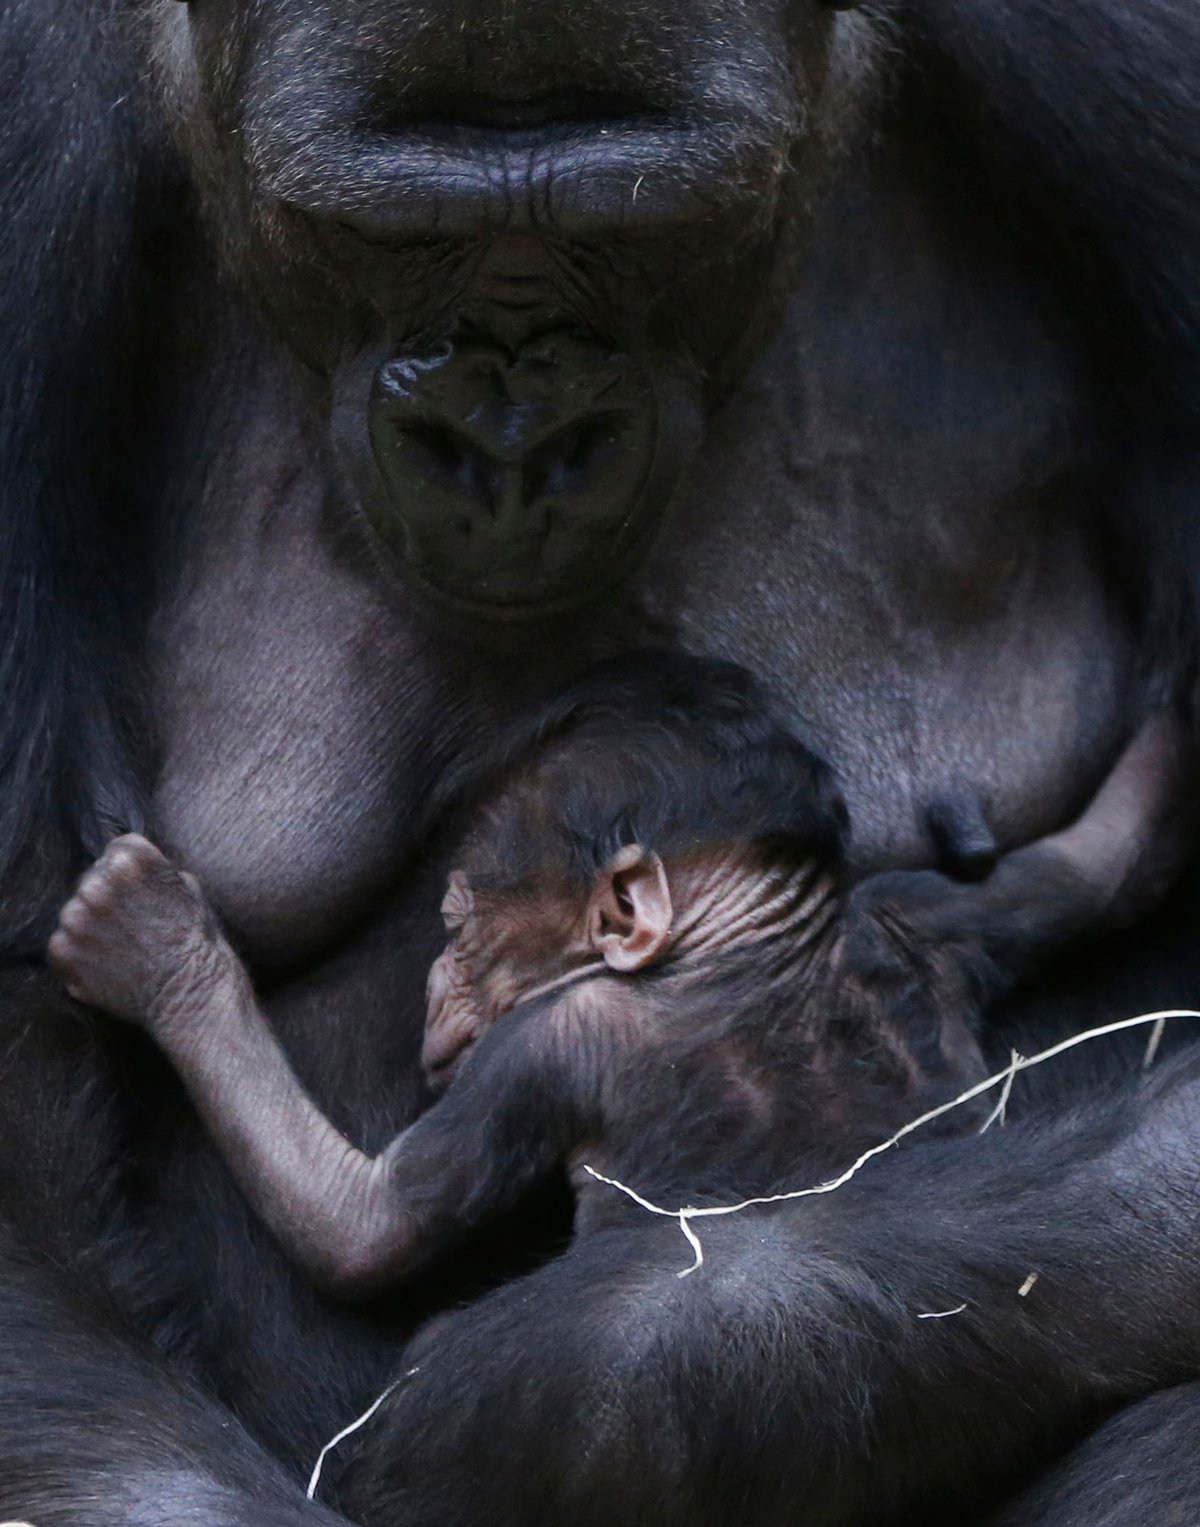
point(681, 754)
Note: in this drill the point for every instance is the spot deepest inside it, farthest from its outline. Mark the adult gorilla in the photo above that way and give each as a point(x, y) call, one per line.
point(370, 366)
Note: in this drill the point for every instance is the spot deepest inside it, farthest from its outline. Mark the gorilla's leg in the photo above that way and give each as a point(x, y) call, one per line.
point(96, 1431)
point(1141, 1467)
point(96, 1428)
point(794, 1372)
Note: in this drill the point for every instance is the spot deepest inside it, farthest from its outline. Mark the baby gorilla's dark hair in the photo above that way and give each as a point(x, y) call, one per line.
point(680, 754)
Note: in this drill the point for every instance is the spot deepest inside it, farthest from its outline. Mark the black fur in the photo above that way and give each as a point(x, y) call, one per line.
point(796, 1355)
point(75, 178)
point(1093, 111)
point(700, 762)
point(1078, 119)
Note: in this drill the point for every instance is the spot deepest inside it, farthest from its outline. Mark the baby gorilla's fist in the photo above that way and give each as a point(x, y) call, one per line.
point(138, 938)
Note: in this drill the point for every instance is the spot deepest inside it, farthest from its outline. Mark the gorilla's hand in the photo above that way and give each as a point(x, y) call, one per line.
point(138, 938)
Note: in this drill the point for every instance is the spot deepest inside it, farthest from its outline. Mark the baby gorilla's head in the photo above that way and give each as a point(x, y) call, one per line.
point(657, 825)
point(654, 815)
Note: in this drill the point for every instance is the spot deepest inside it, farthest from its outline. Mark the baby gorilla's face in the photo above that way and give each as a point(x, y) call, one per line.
point(502, 950)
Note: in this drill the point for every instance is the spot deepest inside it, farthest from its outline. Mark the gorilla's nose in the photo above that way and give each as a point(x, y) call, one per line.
point(510, 472)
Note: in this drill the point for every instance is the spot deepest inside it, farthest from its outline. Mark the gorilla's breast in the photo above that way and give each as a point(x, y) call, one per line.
point(891, 520)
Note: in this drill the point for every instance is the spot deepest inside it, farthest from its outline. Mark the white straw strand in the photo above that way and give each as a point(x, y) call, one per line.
point(686, 1215)
point(999, 1114)
point(347, 1431)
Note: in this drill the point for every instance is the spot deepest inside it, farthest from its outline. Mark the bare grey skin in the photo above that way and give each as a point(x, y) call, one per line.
point(563, 1079)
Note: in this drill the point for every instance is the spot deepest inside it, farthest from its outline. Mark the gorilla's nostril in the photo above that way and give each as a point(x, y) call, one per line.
point(570, 458)
point(441, 453)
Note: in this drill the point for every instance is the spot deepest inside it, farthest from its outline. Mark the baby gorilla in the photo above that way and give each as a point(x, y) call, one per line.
point(692, 999)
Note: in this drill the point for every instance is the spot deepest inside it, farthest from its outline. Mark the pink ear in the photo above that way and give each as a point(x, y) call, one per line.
point(629, 917)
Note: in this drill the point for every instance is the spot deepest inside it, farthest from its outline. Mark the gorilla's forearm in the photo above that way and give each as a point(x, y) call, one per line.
point(355, 1223)
point(96, 1430)
point(329, 1204)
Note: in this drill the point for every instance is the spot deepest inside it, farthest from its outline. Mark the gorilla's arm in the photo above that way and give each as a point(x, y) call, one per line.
point(1096, 105)
point(356, 1223)
point(80, 168)
point(1059, 1262)
point(95, 1428)
point(139, 940)
point(1090, 112)
point(1139, 1467)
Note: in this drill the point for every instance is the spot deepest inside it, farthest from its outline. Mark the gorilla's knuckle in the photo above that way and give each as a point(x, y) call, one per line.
point(76, 919)
point(95, 892)
point(61, 948)
point(122, 864)
point(133, 843)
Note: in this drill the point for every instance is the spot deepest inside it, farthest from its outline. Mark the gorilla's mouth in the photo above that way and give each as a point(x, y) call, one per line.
point(516, 482)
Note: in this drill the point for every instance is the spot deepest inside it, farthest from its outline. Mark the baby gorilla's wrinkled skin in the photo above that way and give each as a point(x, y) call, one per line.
point(698, 1022)
point(491, 964)
point(172, 945)
point(506, 949)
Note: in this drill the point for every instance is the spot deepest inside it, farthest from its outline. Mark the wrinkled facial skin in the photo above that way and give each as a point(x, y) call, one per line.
point(525, 241)
point(501, 951)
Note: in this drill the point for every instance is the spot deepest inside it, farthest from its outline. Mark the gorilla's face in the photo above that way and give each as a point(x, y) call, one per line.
point(525, 240)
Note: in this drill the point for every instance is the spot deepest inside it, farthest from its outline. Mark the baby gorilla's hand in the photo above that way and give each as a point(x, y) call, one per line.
point(453, 1023)
point(138, 938)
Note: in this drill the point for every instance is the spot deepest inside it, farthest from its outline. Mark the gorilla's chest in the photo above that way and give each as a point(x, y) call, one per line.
point(890, 522)
point(897, 527)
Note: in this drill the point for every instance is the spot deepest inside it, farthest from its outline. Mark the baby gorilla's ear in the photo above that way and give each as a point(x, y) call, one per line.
point(629, 915)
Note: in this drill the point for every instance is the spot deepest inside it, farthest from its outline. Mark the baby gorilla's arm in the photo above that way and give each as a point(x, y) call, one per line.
point(139, 940)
